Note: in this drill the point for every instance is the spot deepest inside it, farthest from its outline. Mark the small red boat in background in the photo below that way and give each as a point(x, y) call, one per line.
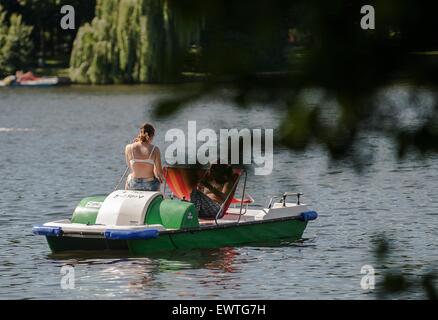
point(28, 79)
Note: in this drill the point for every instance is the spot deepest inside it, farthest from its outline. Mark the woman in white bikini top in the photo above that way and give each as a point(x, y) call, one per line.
point(144, 160)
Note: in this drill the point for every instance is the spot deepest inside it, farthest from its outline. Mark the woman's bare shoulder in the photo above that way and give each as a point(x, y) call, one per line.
point(129, 146)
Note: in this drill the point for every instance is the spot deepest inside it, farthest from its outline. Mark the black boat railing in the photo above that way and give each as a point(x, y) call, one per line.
point(243, 196)
point(231, 193)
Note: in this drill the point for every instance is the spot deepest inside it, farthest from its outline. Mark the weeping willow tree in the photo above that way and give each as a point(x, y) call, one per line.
point(131, 41)
point(15, 44)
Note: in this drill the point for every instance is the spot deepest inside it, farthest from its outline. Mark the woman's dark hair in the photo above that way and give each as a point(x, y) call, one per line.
point(147, 132)
point(221, 173)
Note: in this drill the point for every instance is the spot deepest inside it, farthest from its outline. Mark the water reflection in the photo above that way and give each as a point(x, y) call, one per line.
point(142, 272)
point(118, 265)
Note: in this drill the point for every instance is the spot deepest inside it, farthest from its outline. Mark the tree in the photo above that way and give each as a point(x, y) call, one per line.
point(49, 40)
point(15, 43)
point(129, 41)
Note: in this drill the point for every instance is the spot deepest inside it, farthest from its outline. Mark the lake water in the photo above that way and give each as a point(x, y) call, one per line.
point(60, 145)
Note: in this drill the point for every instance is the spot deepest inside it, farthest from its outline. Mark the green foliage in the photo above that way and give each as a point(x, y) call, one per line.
point(394, 282)
point(128, 41)
point(15, 43)
point(48, 39)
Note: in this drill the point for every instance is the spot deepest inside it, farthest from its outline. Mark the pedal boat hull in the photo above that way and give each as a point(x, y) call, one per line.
point(207, 235)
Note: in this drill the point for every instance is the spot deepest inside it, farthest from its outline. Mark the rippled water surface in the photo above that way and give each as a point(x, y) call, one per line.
point(60, 145)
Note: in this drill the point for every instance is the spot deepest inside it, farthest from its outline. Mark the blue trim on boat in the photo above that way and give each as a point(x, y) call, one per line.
point(308, 215)
point(114, 234)
point(47, 231)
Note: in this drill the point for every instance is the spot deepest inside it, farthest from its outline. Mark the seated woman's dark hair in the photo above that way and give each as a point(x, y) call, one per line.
point(221, 173)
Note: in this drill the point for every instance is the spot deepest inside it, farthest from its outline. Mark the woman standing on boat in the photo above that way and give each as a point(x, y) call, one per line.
point(144, 160)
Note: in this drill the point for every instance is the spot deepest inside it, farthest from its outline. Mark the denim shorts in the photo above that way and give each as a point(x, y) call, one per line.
point(143, 184)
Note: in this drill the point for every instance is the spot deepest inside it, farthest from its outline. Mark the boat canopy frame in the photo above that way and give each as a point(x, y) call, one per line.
point(233, 190)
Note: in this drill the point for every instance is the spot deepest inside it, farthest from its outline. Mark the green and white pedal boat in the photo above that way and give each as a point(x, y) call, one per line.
point(145, 222)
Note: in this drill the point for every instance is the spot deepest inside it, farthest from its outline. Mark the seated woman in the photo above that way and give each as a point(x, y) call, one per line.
point(144, 160)
point(28, 76)
point(212, 191)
